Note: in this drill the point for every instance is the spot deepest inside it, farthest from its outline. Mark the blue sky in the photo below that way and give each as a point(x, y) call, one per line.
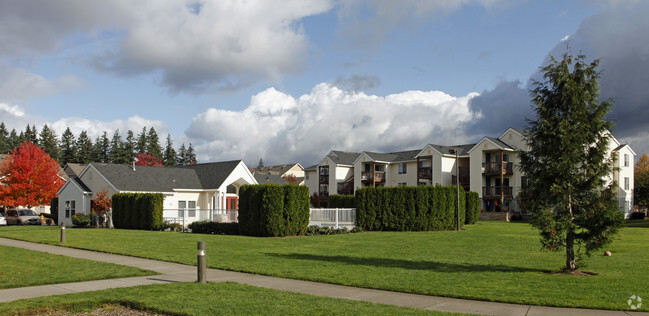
point(287, 81)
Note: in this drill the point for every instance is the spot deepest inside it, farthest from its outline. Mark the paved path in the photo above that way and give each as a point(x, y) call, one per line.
point(173, 272)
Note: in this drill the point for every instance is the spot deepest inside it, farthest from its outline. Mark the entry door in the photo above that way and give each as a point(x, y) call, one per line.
point(232, 205)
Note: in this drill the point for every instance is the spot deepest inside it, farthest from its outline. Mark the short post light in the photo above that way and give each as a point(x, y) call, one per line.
point(62, 232)
point(457, 184)
point(201, 262)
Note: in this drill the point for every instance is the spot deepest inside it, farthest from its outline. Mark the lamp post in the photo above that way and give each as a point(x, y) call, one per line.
point(457, 185)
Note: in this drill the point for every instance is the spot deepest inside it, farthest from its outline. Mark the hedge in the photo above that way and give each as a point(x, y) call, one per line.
point(472, 207)
point(273, 210)
point(138, 211)
point(207, 227)
point(54, 209)
point(341, 201)
point(420, 208)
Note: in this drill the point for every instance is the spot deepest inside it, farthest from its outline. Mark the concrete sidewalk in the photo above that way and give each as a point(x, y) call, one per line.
point(173, 272)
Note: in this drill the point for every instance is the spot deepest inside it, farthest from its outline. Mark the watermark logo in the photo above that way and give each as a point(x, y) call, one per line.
point(635, 302)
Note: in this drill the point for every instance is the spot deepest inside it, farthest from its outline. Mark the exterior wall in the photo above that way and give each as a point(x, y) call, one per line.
point(447, 170)
point(625, 196)
point(296, 170)
point(82, 203)
point(312, 181)
point(394, 178)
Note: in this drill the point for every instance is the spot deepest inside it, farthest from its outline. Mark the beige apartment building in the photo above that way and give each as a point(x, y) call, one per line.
point(488, 167)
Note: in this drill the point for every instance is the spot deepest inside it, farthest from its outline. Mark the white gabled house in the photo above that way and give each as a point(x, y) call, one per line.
point(194, 192)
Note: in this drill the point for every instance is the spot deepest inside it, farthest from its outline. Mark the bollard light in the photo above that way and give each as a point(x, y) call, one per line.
point(201, 262)
point(63, 232)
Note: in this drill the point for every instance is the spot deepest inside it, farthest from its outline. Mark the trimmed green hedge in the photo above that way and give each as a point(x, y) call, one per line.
point(54, 209)
point(420, 208)
point(207, 227)
point(138, 211)
point(341, 201)
point(273, 210)
point(472, 207)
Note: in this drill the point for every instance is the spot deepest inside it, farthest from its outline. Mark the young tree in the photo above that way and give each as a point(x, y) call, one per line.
point(102, 205)
point(84, 148)
point(260, 164)
point(567, 161)
point(29, 177)
point(68, 150)
point(153, 143)
point(146, 159)
point(49, 142)
point(641, 181)
point(291, 179)
point(169, 157)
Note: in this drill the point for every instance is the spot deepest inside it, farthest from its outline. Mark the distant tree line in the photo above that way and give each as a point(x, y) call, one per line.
point(81, 149)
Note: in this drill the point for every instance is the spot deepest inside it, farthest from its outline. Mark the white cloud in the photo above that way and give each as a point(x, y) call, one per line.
point(11, 110)
point(95, 128)
point(19, 85)
point(281, 128)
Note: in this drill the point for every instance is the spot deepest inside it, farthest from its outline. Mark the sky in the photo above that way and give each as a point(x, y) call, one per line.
point(288, 81)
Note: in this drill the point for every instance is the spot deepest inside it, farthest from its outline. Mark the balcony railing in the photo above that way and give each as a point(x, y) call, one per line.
point(425, 172)
point(376, 176)
point(346, 188)
point(324, 179)
point(496, 192)
point(495, 167)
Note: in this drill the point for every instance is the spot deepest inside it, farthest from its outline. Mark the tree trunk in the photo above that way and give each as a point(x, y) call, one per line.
point(571, 265)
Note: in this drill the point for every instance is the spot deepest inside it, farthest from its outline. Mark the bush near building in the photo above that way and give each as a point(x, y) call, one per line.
point(421, 208)
point(341, 201)
point(472, 207)
point(271, 210)
point(138, 211)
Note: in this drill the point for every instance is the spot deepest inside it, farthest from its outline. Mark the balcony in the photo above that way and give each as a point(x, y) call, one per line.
point(425, 172)
point(496, 192)
point(494, 168)
point(376, 176)
point(464, 181)
point(346, 188)
point(324, 178)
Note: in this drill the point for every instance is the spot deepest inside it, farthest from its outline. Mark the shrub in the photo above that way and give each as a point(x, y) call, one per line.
point(214, 228)
point(54, 209)
point(138, 210)
point(273, 210)
point(341, 201)
point(174, 227)
point(472, 207)
point(637, 215)
point(410, 208)
point(81, 220)
point(315, 230)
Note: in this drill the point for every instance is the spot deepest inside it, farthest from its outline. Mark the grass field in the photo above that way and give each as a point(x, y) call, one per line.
point(206, 299)
point(491, 261)
point(20, 267)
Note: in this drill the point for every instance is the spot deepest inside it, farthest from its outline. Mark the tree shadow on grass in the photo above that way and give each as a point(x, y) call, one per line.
point(409, 264)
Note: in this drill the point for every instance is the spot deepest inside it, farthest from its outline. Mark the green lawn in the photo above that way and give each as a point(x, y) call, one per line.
point(491, 261)
point(207, 299)
point(20, 267)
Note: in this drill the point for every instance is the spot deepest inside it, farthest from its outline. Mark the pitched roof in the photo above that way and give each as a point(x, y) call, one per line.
point(399, 156)
point(269, 178)
point(160, 179)
point(74, 169)
point(463, 150)
point(276, 170)
point(343, 157)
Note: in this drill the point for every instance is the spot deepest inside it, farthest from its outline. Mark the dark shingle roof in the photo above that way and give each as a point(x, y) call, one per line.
point(445, 150)
point(80, 183)
point(398, 156)
point(499, 142)
point(269, 178)
point(74, 169)
point(343, 157)
point(159, 179)
point(276, 170)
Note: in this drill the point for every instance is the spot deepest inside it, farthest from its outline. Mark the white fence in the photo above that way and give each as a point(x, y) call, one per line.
point(336, 217)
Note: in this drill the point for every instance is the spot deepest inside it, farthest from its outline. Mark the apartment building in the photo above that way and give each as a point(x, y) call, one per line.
point(488, 167)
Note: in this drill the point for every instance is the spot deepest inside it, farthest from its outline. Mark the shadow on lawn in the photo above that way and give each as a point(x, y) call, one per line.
point(413, 265)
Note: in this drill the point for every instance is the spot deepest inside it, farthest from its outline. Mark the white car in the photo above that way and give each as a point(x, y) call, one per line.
point(3, 220)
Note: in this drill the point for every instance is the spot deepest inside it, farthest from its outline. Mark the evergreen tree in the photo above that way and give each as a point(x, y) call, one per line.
point(169, 157)
point(142, 142)
point(30, 135)
point(567, 161)
point(49, 142)
point(68, 150)
point(4, 139)
point(260, 164)
point(641, 181)
point(101, 148)
point(128, 151)
point(182, 155)
point(153, 143)
point(115, 152)
point(191, 156)
point(84, 148)
point(13, 140)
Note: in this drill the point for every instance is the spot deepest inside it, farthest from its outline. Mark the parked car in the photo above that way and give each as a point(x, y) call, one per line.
point(3, 221)
point(22, 217)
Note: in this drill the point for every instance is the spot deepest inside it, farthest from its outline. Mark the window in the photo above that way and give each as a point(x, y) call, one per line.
point(626, 160)
point(191, 205)
point(324, 171)
point(306, 176)
point(401, 184)
point(182, 205)
point(626, 183)
point(70, 208)
point(403, 168)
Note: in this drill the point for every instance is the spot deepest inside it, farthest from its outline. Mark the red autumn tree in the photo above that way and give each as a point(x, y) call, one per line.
point(146, 159)
point(102, 204)
point(291, 179)
point(29, 177)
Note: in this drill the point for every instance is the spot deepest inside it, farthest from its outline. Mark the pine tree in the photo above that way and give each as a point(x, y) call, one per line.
point(101, 148)
point(128, 151)
point(49, 142)
point(182, 155)
point(169, 157)
point(641, 181)
point(30, 135)
point(115, 152)
point(153, 143)
point(13, 140)
point(191, 156)
point(567, 161)
point(142, 142)
point(84, 148)
point(260, 164)
point(68, 150)
point(4, 139)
